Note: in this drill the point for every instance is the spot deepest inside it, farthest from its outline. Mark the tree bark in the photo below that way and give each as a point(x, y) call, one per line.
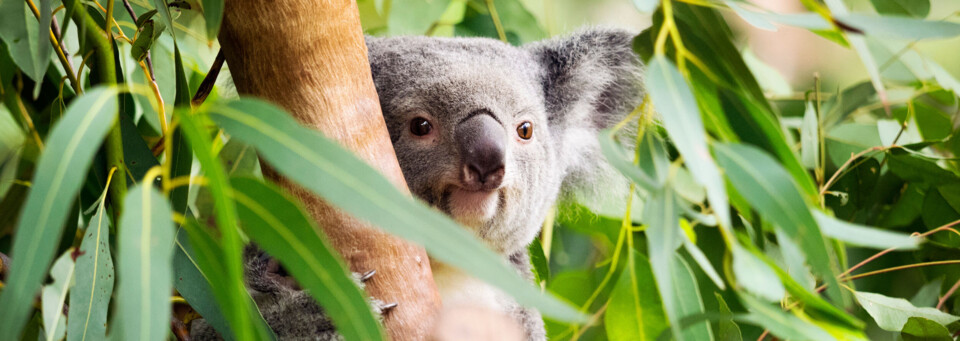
point(309, 57)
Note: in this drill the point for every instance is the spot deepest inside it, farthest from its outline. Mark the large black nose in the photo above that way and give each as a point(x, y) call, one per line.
point(482, 142)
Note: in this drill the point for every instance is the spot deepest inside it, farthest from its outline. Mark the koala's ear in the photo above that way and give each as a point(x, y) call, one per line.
point(592, 77)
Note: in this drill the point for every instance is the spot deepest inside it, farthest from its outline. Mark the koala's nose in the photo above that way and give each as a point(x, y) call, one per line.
point(482, 144)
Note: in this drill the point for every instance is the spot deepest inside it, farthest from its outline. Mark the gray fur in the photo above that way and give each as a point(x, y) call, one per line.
point(569, 88)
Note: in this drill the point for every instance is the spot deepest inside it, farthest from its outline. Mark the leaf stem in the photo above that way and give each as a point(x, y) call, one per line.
point(902, 267)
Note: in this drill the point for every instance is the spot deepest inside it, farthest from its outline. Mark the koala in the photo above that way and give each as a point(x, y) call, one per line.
point(492, 135)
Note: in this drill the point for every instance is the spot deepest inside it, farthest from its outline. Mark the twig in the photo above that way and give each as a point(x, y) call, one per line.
point(179, 329)
point(947, 295)
point(902, 267)
point(496, 21)
point(836, 174)
point(58, 47)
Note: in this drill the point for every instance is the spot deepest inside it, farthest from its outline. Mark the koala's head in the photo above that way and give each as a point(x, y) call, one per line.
point(489, 133)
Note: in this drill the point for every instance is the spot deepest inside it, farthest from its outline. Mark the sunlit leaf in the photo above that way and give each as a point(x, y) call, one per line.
point(729, 330)
point(780, 323)
point(324, 167)
point(689, 301)
point(61, 169)
point(756, 276)
point(634, 311)
point(892, 313)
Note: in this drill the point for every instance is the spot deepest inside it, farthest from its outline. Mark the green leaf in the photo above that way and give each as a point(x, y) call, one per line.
point(212, 16)
point(281, 228)
point(688, 298)
point(810, 138)
point(29, 47)
point(756, 276)
point(921, 329)
point(892, 313)
point(616, 156)
point(61, 170)
point(928, 294)
point(661, 215)
point(182, 160)
point(414, 17)
point(90, 297)
point(165, 19)
point(53, 296)
point(541, 266)
point(234, 301)
point(901, 27)
point(194, 285)
point(143, 18)
point(681, 118)
point(143, 42)
point(772, 192)
point(209, 263)
point(913, 8)
point(865, 236)
point(752, 18)
point(780, 323)
point(324, 167)
point(144, 266)
point(634, 311)
point(728, 331)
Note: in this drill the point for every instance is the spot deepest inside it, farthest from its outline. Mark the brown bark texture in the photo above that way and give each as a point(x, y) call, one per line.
point(309, 57)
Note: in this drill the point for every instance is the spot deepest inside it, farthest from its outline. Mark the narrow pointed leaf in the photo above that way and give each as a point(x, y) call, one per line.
point(860, 235)
point(772, 192)
point(194, 285)
point(326, 168)
point(213, 16)
point(680, 116)
point(90, 297)
point(661, 215)
point(688, 298)
point(634, 311)
point(235, 303)
point(60, 172)
point(144, 267)
point(615, 155)
point(281, 228)
point(901, 27)
point(54, 296)
point(779, 322)
point(892, 313)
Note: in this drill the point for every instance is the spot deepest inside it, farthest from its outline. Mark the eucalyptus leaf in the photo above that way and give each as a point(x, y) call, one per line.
point(913, 8)
point(90, 297)
point(54, 296)
point(860, 235)
point(772, 192)
point(901, 27)
point(921, 329)
point(324, 167)
point(144, 267)
point(212, 16)
point(634, 311)
point(61, 170)
point(681, 118)
point(892, 313)
point(281, 228)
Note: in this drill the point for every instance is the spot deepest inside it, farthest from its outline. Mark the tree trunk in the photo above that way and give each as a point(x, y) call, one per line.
point(309, 57)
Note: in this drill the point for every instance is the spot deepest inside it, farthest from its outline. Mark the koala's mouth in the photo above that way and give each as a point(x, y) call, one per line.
point(471, 208)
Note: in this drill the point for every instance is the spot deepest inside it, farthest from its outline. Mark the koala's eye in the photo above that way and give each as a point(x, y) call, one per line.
point(525, 130)
point(420, 126)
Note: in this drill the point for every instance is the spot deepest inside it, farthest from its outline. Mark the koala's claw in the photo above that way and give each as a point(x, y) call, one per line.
point(367, 275)
point(386, 308)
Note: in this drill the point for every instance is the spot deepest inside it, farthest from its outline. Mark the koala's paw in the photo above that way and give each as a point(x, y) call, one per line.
point(379, 307)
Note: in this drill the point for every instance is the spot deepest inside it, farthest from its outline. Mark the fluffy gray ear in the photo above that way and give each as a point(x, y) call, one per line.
point(592, 77)
point(591, 80)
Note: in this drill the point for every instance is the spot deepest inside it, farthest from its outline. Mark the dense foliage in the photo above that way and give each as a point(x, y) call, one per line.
point(125, 176)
